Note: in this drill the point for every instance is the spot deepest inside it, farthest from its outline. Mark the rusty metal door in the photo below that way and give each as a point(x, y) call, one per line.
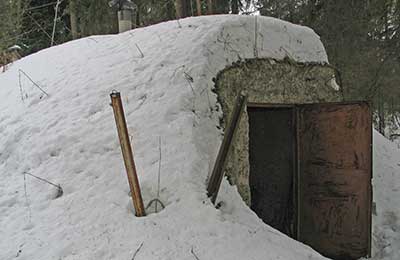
point(334, 178)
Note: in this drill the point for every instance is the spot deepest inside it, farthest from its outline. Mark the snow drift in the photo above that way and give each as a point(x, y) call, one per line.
point(164, 73)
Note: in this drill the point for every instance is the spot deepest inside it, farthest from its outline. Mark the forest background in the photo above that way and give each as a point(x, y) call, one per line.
point(361, 36)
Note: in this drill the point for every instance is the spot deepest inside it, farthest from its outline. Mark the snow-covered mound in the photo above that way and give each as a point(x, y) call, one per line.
point(164, 73)
point(386, 182)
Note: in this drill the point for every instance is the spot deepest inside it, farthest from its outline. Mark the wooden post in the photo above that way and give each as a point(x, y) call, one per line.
point(127, 153)
point(218, 172)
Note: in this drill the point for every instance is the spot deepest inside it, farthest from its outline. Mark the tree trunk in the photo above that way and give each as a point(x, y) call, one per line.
point(73, 19)
point(181, 8)
point(198, 7)
point(19, 14)
point(187, 10)
point(210, 8)
point(138, 14)
point(235, 6)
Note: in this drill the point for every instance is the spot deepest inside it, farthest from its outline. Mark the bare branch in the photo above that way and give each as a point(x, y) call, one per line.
point(193, 253)
point(137, 251)
point(34, 83)
point(141, 53)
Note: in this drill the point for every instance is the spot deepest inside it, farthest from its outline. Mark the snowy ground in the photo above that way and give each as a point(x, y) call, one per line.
point(386, 221)
point(164, 73)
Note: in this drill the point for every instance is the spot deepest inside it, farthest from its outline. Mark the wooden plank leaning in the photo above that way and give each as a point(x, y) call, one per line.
point(219, 167)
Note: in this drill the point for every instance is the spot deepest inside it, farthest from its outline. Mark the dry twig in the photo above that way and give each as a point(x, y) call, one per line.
point(59, 189)
point(159, 172)
point(20, 87)
point(141, 53)
point(27, 200)
point(33, 82)
point(189, 80)
point(193, 253)
point(155, 200)
point(137, 251)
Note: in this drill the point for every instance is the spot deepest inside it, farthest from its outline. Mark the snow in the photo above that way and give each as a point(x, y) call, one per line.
point(15, 48)
point(386, 182)
point(70, 138)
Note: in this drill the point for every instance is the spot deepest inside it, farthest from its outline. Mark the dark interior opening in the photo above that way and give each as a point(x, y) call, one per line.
point(271, 155)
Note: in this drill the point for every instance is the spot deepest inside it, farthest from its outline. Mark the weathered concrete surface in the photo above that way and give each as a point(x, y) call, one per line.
point(267, 81)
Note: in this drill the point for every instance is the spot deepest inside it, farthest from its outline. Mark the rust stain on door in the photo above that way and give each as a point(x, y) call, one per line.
point(334, 179)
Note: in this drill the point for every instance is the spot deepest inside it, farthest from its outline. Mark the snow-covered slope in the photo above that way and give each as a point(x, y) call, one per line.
point(386, 221)
point(164, 73)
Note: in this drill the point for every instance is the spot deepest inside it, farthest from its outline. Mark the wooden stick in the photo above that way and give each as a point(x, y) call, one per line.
point(127, 153)
point(219, 166)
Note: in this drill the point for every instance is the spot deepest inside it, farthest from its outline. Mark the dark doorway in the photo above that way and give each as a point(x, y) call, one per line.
point(271, 155)
point(310, 174)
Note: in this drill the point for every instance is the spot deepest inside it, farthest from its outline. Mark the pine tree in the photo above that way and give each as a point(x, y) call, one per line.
point(362, 41)
point(11, 13)
point(37, 25)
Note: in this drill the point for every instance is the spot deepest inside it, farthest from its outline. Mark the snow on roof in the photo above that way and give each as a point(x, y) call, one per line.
point(164, 73)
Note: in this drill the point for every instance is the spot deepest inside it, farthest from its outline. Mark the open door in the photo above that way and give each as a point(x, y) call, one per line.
point(334, 178)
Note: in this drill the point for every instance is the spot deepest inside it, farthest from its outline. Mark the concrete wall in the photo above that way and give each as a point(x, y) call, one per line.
point(267, 81)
